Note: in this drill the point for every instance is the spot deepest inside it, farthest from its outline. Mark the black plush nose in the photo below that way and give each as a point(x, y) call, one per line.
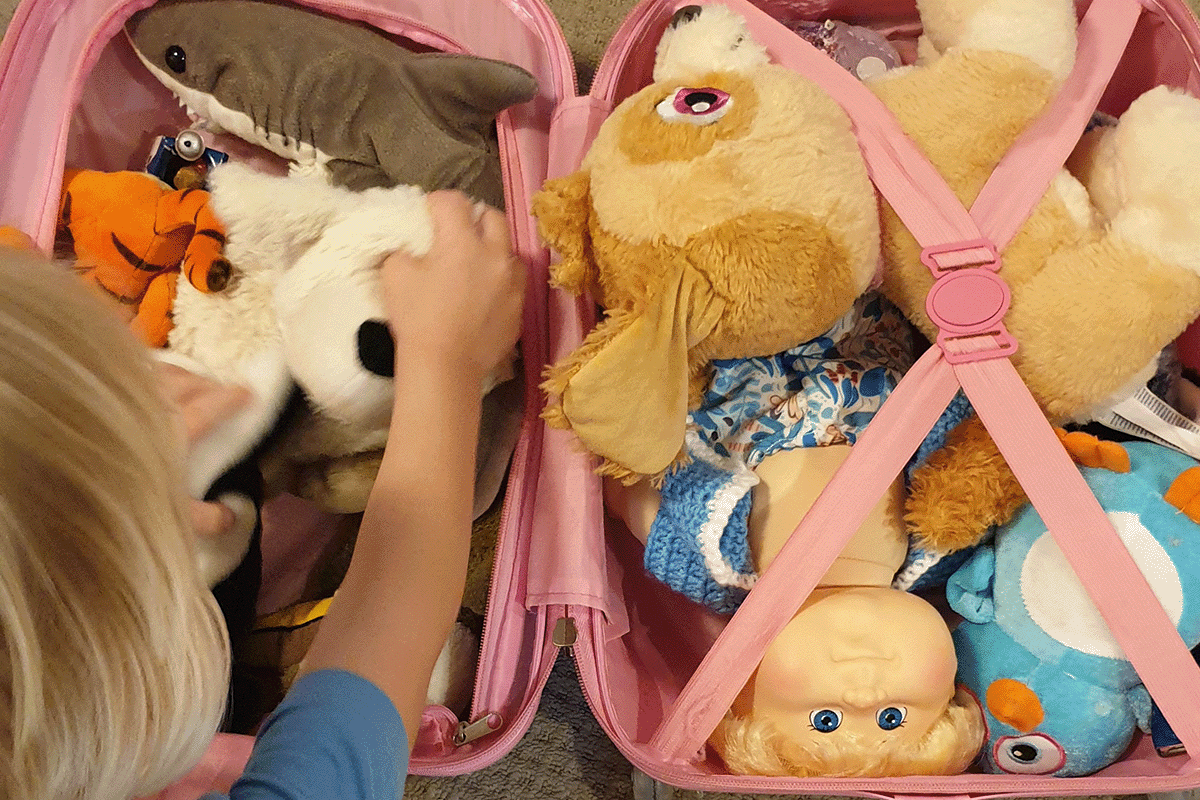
point(376, 348)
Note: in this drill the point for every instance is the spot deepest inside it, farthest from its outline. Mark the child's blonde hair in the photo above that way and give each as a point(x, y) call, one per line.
point(113, 656)
point(750, 746)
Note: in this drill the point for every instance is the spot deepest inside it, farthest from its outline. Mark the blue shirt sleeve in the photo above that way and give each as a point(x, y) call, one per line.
point(336, 736)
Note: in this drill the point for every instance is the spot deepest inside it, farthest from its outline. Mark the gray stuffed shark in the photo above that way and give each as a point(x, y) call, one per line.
point(329, 94)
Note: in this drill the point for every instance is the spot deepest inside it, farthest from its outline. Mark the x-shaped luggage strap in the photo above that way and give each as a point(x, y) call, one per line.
point(972, 351)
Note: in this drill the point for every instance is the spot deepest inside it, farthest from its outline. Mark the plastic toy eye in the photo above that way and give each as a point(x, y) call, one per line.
point(189, 145)
point(698, 106)
point(825, 720)
point(1033, 754)
point(891, 718)
point(176, 59)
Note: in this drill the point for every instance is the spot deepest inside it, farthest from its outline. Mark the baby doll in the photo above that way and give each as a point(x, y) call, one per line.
point(861, 681)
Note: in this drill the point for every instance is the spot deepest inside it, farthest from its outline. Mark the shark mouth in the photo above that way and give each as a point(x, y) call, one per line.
point(217, 118)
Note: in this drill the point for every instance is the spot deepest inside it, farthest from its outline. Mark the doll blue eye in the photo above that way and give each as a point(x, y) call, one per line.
point(825, 720)
point(891, 718)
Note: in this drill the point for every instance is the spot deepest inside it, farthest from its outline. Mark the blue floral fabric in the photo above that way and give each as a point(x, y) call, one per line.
point(818, 393)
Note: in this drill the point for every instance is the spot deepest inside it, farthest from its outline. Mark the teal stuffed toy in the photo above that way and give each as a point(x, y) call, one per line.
point(1058, 694)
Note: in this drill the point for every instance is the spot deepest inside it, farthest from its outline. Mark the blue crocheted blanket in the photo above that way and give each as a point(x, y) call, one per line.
point(821, 392)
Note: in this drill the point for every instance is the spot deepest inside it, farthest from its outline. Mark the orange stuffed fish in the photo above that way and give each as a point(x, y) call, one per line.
point(133, 235)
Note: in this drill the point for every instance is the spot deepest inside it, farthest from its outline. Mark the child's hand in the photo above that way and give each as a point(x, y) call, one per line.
point(459, 306)
point(201, 404)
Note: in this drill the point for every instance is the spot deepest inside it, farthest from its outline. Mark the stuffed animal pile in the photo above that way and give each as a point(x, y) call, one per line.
point(282, 289)
point(723, 213)
point(1059, 696)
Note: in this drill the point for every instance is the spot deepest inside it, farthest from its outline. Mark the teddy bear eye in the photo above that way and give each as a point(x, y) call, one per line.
point(695, 105)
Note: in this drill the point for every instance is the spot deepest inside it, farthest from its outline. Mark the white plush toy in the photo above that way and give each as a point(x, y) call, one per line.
point(304, 312)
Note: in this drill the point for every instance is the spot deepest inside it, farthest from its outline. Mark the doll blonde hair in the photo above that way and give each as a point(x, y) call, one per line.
point(113, 656)
point(750, 746)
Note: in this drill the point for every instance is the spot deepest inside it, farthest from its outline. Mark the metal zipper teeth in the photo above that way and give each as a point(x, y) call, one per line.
point(550, 32)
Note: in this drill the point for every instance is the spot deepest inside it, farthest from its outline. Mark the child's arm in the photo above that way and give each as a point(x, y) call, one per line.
point(454, 314)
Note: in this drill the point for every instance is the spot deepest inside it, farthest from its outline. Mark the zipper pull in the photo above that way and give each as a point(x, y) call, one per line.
point(469, 732)
point(564, 632)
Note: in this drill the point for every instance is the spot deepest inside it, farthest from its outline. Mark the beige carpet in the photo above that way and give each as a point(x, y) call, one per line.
point(565, 755)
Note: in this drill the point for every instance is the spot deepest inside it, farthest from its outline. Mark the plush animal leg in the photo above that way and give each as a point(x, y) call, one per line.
point(961, 490)
point(1143, 175)
point(1133, 282)
point(949, 515)
point(1041, 30)
point(152, 323)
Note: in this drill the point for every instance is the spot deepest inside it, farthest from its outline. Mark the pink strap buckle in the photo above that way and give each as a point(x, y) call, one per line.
point(968, 301)
point(944, 258)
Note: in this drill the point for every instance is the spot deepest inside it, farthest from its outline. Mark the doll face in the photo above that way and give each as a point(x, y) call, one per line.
point(874, 663)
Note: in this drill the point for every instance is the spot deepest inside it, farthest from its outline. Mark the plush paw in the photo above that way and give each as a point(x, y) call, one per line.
point(1041, 30)
point(1143, 175)
point(961, 491)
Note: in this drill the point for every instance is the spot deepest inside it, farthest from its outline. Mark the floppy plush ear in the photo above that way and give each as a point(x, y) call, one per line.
point(624, 392)
point(561, 208)
point(969, 589)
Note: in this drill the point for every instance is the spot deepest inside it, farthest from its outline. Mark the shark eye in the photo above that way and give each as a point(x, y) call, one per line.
point(698, 106)
point(1032, 754)
point(176, 59)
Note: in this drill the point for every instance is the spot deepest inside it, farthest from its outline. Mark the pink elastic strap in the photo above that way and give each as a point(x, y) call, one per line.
point(1025, 172)
point(1002, 400)
point(1083, 532)
point(874, 462)
point(898, 168)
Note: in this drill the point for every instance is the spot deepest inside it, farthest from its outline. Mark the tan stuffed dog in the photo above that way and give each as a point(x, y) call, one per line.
point(1103, 274)
point(709, 223)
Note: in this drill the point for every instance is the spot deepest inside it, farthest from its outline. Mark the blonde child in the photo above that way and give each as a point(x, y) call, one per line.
point(113, 658)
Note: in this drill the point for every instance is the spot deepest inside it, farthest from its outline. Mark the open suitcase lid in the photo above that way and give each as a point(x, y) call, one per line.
point(58, 55)
point(658, 718)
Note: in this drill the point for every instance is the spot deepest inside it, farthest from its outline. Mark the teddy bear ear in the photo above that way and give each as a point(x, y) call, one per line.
point(628, 401)
point(562, 209)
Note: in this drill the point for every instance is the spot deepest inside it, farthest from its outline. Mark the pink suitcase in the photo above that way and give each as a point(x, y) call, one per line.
point(655, 691)
point(564, 575)
point(89, 103)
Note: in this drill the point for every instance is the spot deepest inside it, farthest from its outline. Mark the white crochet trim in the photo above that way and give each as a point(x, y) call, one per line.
point(720, 509)
point(908, 576)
